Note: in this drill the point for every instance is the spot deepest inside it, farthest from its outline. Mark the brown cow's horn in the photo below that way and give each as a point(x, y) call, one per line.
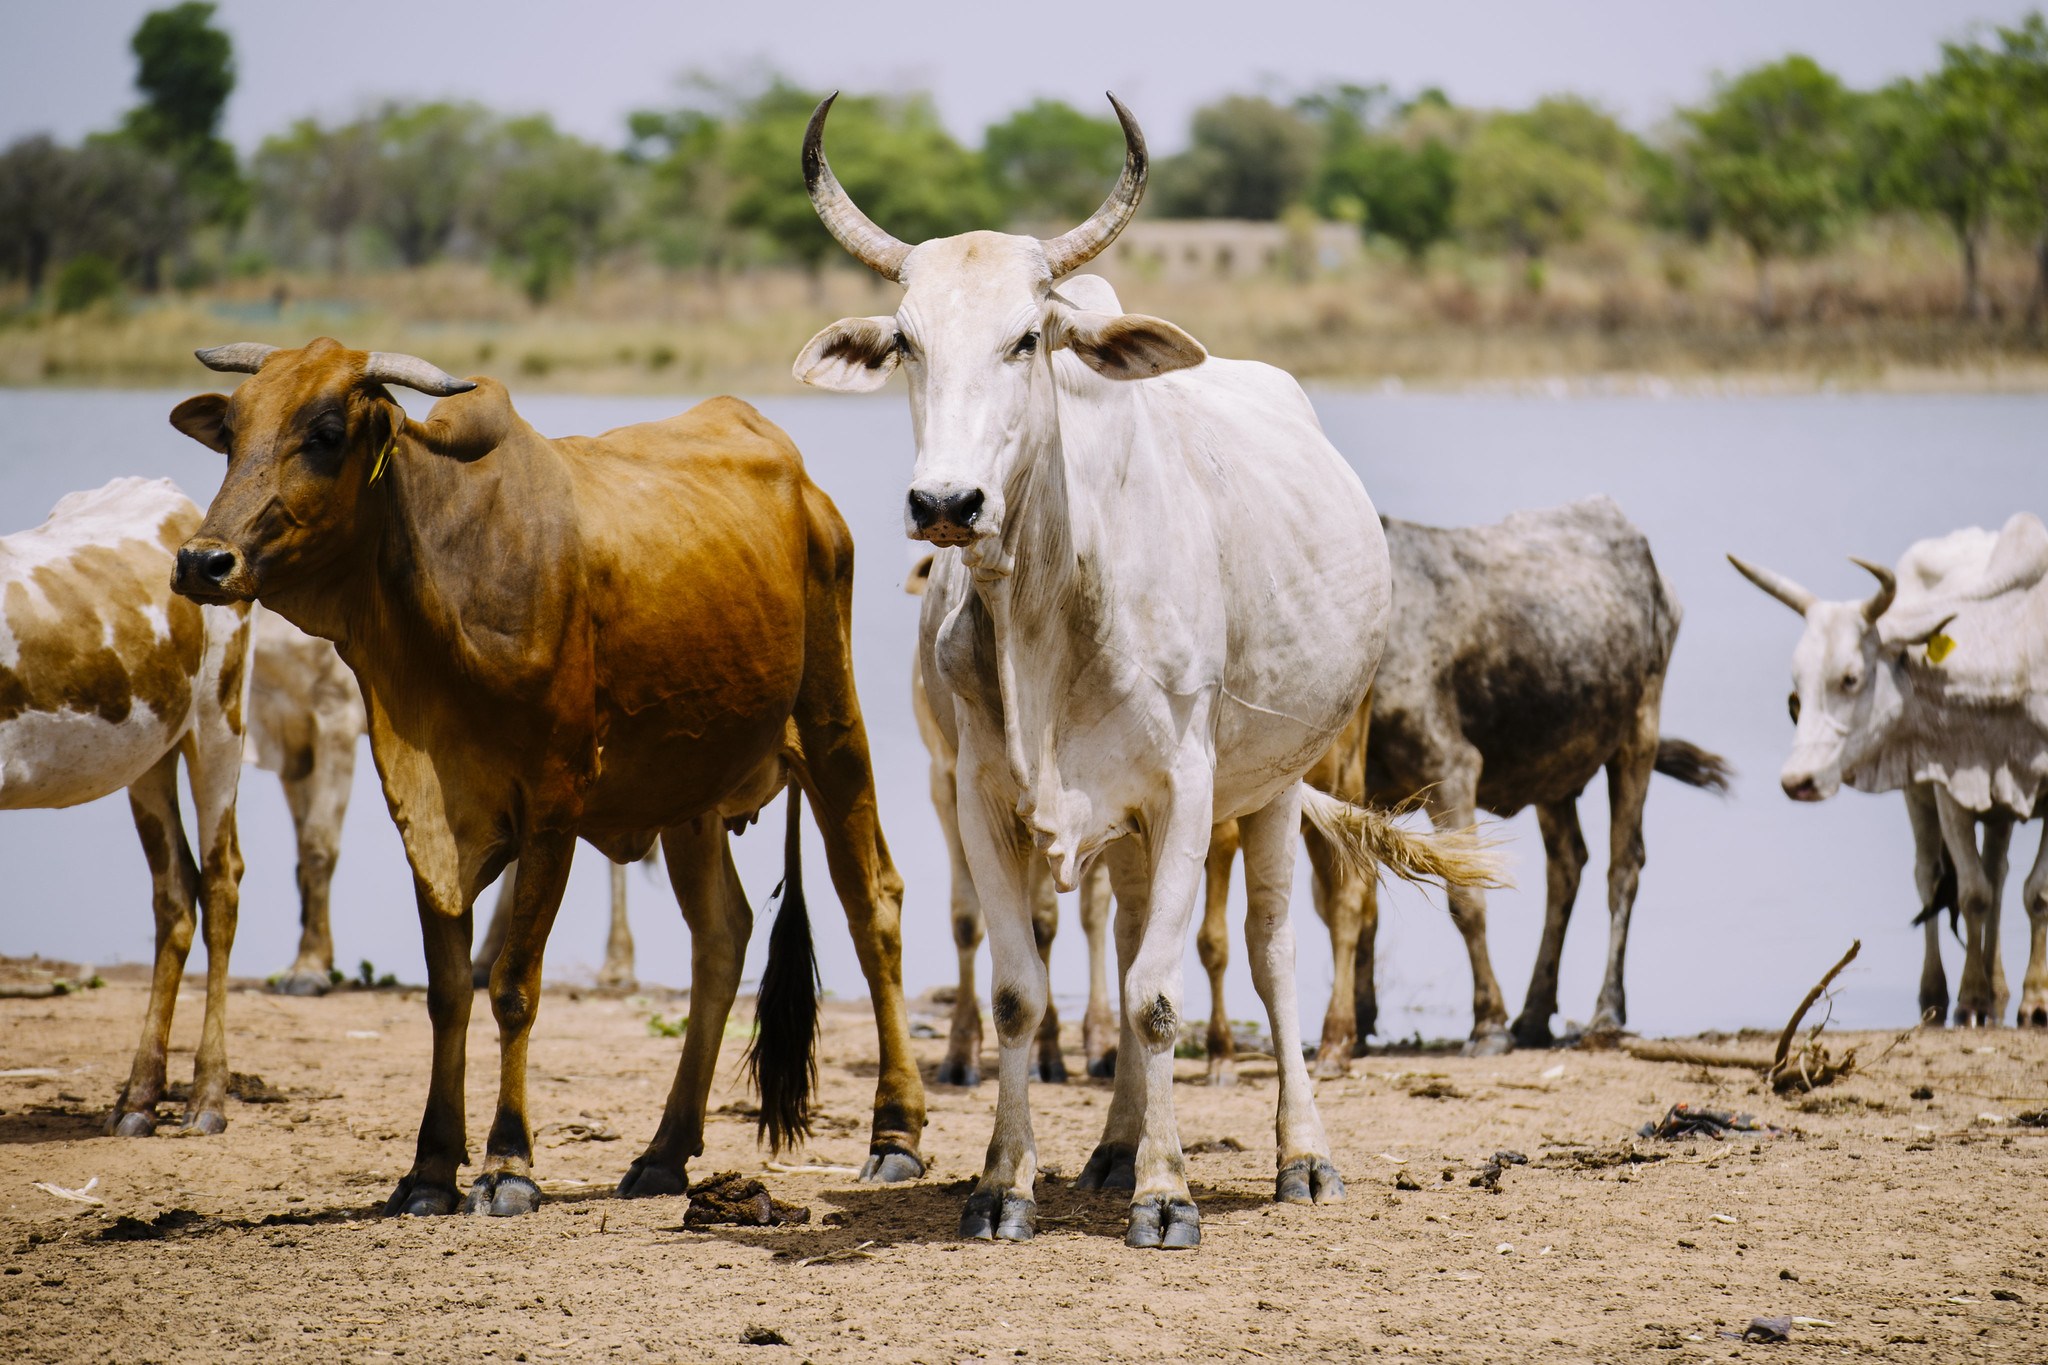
point(1887, 588)
point(237, 357)
point(1776, 584)
point(871, 246)
point(1071, 250)
point(394, 367)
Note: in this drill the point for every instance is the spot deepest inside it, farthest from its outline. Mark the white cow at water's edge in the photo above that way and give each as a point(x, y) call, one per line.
point(1160, 596)
point(1937, 686)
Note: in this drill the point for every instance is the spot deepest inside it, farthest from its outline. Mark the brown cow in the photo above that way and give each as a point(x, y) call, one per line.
point(616, 637)
point(105, 678)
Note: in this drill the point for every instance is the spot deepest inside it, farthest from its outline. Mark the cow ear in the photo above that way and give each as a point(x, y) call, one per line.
point(1127, 345)
point(853, 355)
point(920, 577)
point(204, 419)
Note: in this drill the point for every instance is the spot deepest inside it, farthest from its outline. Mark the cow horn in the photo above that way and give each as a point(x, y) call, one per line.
point(1777, 585)
point(1887, 588)
point(395, 367)
point(871, 246)
point(1071, 250)
point(237, 357)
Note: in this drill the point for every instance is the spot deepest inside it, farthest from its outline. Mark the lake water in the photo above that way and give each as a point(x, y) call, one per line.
point(1743, 903)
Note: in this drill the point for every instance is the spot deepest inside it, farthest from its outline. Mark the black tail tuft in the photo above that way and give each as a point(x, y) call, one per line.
point(1692, 765)
point(1944, 897)
point(783, 1058)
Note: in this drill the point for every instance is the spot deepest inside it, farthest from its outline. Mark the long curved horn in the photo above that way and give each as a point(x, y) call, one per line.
point(237, 357)
point(1070, 251)
point(395, 367)
point(1777, 585)
point(1887, 588)
point(871, 246)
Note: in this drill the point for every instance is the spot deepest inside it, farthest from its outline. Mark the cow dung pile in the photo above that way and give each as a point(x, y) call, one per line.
point(731, 1198)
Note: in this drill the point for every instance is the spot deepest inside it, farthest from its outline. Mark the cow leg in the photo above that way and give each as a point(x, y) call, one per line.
point(494, 932)
point(1930, 867)
point(714, 905)
point(1451, 805)
point(1365, 990)
point(174, 889)
point(318, 799)
point(1002, 1205)
point(962, 1062)
point(841, 784)
point(429, 1188)
point(214, 765)
point(1162, 1208)
point(1112, 1165)
point(2034, 990)
point(1099, 1025)
point(1306, 1174)
point(505, 1186)
point(1340, 904)
point(1564, 847)
point(617, 972)
point(1045, 926)
point(1997, 861)
point(1628, 786)
point(1212, 942)
point(1973, 899)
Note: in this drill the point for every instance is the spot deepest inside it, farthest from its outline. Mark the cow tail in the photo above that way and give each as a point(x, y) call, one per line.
point(783, 1058)
point(1368, 840)
point(1692, 765)
point(1944, 897)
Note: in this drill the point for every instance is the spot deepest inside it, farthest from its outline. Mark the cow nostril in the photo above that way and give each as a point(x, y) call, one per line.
point(924, 509)
point(217, 564)
point(965, 508)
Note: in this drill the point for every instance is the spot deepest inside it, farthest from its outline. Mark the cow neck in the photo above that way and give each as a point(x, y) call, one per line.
point(475, 555)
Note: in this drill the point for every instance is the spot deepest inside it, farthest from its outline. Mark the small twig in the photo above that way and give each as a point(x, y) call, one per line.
point(1792, 1024)
point(842, 1253)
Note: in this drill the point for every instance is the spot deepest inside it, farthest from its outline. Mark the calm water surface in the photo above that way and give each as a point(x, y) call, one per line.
point(1743, 903)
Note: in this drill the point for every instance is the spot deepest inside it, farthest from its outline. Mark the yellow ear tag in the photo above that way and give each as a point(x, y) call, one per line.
point(384, 458)
point(1938, 647)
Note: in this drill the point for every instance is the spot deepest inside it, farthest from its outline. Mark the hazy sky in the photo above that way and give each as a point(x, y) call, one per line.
point(65, 68)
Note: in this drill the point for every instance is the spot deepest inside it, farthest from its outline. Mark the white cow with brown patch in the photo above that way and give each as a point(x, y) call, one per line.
point(106, 677)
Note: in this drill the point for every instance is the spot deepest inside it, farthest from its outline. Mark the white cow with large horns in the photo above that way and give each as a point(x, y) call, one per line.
point(1937, 686)
point(1160, 595)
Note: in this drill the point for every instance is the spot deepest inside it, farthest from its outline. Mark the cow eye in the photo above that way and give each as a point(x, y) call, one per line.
point(1792, 705)
point(1026, 345)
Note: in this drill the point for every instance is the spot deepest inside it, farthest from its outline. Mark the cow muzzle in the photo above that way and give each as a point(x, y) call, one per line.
point(945, 515)
point(212, 572)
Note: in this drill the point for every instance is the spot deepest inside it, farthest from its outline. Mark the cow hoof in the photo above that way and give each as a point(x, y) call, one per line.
point(1103, 1068)
point(1222, 1073)
point(990, 1217)
point(891, 1166)
point(1488, 1040)
point(135, 1123)
point(1308, 1180)
point(959, 1073)
point(301, 983)
point(1052, 1068)
point(1112, 1166)
point(1170, 1224)
point(2037, 1017)
point(1532, 1033)
point(421, 1201)
point(644, 1180)
point(502, 1196)
point(617, 983)
point(1332, 1063)
point(206, 1123)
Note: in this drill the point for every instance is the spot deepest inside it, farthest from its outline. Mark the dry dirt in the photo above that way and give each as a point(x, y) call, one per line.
point(1913, 1227)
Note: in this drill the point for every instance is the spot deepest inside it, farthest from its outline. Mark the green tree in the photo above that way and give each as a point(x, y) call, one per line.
point(892, 155)
point(425, 173)
point(185, 72)
point(39, 197)
point(1249, 158)
point(2021, 72)
point(687, 205)
point(1530, 196)
point(1051, 163)
point(551, 196)
point(1402, 193)
point(314, 179)
point(1772, 149)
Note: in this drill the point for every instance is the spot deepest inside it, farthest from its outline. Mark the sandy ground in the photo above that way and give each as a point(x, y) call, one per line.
point(1915, 1228)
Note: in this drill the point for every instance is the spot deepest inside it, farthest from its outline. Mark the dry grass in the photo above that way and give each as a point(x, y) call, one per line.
point(1622, 309)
